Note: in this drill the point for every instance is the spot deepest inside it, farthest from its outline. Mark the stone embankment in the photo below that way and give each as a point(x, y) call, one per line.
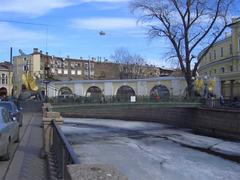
point(224, 123)
point(74, 171)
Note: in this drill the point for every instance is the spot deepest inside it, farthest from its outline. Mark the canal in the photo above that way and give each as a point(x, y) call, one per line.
point(142, 151)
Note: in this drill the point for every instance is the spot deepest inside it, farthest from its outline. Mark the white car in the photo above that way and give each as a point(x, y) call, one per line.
point(9, 133)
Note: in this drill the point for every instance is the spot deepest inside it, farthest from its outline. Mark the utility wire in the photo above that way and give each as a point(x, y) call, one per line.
point(29, 23)
point(22, 22)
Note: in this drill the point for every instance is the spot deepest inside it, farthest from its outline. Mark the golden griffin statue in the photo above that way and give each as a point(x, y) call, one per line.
point(211, 85)
point(199, 85)
point(204, 86)
point(29, 81)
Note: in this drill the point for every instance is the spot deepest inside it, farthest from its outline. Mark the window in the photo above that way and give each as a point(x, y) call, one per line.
point(221, 51)
point(86, 65)
point(73, 72)
point(231, 68)
point(59, 71)
point(92, 65)
point(215, 71)
point(214, 54)
point(79, 72)
point(25, 68)
point(230, 49)
point(65, 71)
point(86, 72)
point(92, 73)
point(239, 44)
point(3, 79)
point(222, 69)
point(210, 56)
point(5, 115)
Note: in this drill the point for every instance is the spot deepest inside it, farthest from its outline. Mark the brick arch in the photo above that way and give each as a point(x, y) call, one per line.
point(3, 91)
point(124, 93)
point(115, 88)
point(159, 92)
point(86, 87)
point(94, 90)
point(65, 91)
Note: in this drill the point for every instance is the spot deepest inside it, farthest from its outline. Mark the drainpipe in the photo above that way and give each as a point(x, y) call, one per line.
point(9, 72)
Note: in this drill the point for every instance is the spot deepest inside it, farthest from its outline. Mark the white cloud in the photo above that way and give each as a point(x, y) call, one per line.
point(37, 7)
point(103, 23)
point(13, 35)
point(40, 7)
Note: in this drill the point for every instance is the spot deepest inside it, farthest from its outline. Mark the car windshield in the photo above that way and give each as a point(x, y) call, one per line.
point(7, 106)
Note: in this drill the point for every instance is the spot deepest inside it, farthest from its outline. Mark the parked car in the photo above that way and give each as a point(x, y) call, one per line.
point(14, 111)
point(9, 132)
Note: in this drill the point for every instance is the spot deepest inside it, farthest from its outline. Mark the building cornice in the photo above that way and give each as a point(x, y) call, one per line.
point(229, 76)
point(221, 41)
point(218, 62)
point(120, 80)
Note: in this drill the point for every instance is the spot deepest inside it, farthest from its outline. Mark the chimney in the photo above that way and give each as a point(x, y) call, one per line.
point(35, 50)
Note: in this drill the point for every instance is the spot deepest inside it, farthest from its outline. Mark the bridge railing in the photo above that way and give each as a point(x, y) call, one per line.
point(63, 152)
point(117, 99)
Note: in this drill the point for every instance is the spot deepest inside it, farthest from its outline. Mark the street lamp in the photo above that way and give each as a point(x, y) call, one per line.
point(46, 82)
point(205, 86)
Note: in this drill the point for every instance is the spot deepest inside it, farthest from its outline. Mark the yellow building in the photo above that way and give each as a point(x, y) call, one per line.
point(6, 78)
point(223, 62)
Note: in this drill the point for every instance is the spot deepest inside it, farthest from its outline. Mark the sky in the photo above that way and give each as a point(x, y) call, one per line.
point(71, 28)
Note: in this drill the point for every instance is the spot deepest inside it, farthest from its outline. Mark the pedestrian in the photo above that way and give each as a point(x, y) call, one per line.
point(221, 99)
point(212, 101)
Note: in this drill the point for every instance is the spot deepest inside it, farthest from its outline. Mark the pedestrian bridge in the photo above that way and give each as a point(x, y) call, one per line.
point(162, 86)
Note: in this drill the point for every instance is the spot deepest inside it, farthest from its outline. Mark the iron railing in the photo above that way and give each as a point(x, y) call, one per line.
point(62, 150)
point(59, 100)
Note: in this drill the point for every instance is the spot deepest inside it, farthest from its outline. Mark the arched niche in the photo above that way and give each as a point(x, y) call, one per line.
point(159, 92)
point(124, 93)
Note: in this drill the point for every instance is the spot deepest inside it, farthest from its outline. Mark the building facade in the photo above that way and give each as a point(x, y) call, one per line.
point(46, 67)
point(33, 63)
point(223, 62)
point(162, 86)
point(6, 79)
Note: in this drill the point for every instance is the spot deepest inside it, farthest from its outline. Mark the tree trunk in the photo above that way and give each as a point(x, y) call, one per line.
point(189, 89)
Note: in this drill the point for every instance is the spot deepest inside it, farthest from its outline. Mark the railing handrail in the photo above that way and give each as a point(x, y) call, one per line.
point(65, 143)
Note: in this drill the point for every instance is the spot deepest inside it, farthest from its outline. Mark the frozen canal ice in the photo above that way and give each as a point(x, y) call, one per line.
point(151, 151)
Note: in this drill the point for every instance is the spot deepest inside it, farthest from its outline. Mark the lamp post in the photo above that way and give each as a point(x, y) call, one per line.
point(46, 82)
point(205, 86)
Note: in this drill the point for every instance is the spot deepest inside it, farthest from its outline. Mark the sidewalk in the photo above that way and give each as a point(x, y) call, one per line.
point(26, 163)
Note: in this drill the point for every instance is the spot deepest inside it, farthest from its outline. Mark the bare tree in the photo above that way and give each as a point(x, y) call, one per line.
point(188, 25)
point(130, 66)
point(138, 65)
